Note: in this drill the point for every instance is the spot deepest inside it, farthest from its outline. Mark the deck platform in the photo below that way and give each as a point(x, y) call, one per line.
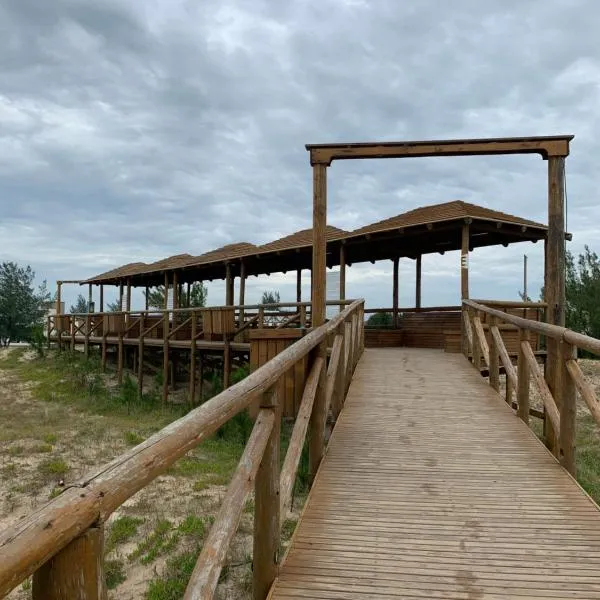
point(433, 488)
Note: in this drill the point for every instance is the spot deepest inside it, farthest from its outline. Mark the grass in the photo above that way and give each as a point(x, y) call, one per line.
point(122, 530)
point(114, 573)
point(172, 584)
point(588, 456)
point(161, 541)
point(53, 466)
point(132, 438)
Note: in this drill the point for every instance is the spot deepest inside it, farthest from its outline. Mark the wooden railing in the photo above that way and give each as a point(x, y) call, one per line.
point(61, 543)
point(557, 387)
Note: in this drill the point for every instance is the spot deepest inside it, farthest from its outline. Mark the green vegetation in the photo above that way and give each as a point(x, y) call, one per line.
point(132, 438)
point(588, 456)
point(380, 320)
point(172, 584)
point(21, 307)
point(114, 573)
point(81, 305)
point(50, 438)
point(198, 296)
point(161, 541)
point(53, 466)
point(122, 530)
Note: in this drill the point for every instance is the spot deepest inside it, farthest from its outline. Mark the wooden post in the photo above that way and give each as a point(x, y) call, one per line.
point(342, 275)
point(166, 305)
point(299, 285)
point(120, 295)
point(554, 284)
point(242, 291)
point(201, 377)
point(228, 285)
point(523, 376)
point(141, 358)
point(267, 506)
point(75, 572)
point(90, 297)
point(476, 345)
point(494, 366)
point(261, 317)
point(188, 294)
point(568, 411)
point(147, 291)
point(464, 263)
point(175, 294)
point(128, 298)
point(58, 296)
point(418, 283)
point(86, 344)
point(101, 297)
point(396, 261)
point(192, 392)
point(302, 311)
point(318, 296)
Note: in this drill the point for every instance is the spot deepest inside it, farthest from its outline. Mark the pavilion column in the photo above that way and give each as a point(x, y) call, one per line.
point(464, 263)
point(101, 297)
point(90, 297)
point(396, 261)
point(175, 291)
point(58, 296)
point(242, 291)
point(120, 295)
point(418, 283)
point(299, 285)
point(228, 285)
point(146, 297)
point(318, 296)
point(554, 283)
point(342, 275)
point(188, 294)
point(129, 295)
point(166, 291)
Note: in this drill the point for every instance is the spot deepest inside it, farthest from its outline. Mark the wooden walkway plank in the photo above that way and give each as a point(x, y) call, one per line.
point(432, 487)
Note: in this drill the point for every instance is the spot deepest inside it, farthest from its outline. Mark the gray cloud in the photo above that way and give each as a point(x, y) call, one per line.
point(134, 130)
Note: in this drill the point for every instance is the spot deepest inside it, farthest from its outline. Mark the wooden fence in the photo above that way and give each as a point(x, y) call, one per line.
point(558, 385)
point(61, 543)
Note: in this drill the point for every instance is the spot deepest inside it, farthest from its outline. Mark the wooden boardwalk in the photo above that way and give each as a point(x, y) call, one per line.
point(432, 488)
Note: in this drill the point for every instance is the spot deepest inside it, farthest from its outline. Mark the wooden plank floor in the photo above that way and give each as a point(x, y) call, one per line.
point(432, 488)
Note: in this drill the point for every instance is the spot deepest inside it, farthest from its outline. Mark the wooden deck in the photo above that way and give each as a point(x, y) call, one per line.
point(432, 488)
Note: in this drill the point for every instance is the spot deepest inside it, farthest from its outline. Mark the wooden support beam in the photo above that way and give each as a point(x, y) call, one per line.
point(166, 284)
point(120, 295)
point(165, 388)
point(90, 297)
point(120, 358)
point(101, 297)
point(299, 285)
point(192, 389)
point(546, 146)
point(228, 285)
point(188, 294)
point(146, 292)
point(58, 297)
point(265, 558)
point(396, 262)
point(242, 291)
point(140, 370)
point(554, 284)
point(76, 572)
point(464, 263)
point(318, 297)
point(176, 299)
point(418, 283)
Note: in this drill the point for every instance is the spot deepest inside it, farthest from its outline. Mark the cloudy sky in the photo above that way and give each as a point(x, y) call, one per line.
point(137, 129)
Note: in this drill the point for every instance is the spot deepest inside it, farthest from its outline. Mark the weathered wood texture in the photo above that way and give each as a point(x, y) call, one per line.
point(76, 572)
point(460, 501)
point(268, 343)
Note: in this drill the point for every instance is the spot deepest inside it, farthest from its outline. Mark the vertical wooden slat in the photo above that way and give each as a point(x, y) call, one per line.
point(90, 298)
point(342, 274)
point(165, 390)
point(120, 358)
point(242, 292)
point(75, 572)
point(299, 285)
point(476, 347)
point(396, 262)
point(88, 326)
point(494, 366)
point(101, 297)
point(568, 411)
point(523, 379)
point(267, 506)
point(228, 285)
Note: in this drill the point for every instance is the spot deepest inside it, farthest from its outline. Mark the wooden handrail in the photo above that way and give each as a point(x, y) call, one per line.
point(413, 309)
point(585, 389)
point(205, 576)
point(180, 326)
point(334, 363)
point(288, 321)
point(511, 303)
point(483, 345)
point(28, 544)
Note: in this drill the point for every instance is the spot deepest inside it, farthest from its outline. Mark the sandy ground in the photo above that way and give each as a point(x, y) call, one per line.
point(38, 434)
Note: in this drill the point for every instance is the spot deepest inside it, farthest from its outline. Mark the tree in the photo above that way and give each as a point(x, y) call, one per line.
point(270, 298)
point(80, 306)
point(198, 296)
point(582, 287)
point(380, 320)
point(22, 309)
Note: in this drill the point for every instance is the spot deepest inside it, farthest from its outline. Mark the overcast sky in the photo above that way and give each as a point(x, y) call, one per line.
point(131, 130)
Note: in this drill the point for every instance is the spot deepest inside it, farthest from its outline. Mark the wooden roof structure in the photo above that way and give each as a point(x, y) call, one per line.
point(424, 230)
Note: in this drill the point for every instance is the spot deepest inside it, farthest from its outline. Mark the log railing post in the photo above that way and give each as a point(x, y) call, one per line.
point(494, 366)
point(567, 409)
point(192, 391)
point(267, 506)
point(120, 359)
point(73, 322)
point(104, 342)
point(302, 311)
point(523, 377)
point(75, 572)
point(261, 317)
